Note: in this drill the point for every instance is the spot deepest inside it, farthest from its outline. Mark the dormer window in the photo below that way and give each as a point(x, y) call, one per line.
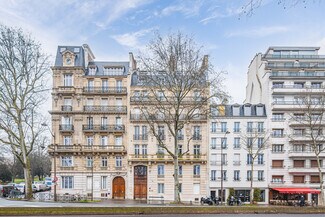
point(235, 110)
point(62, 49)
point(92, 70)
point(259, 110)
point(76, 50)
point(247, 110)
point(113, 70)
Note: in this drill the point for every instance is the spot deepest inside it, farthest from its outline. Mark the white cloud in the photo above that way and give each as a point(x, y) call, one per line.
point(187, 8)
point(258, 32)
point(133, 39)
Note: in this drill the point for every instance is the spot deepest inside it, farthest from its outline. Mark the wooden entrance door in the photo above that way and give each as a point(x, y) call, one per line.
point(118, 188)
point(140, 182)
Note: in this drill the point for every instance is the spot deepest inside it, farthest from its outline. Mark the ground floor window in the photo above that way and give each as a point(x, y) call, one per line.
point(161, 188)
point(67, 182)
point(244, 195)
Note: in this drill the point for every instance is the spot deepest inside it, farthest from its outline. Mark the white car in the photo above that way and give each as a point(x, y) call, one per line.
point(40, 186)
point(21, 188)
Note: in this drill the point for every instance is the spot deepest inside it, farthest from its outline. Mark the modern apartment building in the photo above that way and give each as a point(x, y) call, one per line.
point(284, 79)
point(89, 119)
point(231, 128)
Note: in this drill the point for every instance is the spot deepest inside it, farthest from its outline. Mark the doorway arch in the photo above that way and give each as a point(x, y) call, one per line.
point(140, 182)
point(118, 188)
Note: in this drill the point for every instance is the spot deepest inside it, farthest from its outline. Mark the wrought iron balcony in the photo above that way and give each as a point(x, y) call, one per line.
point(104, 90)
point(140, 137)
point(66, 108)
point(106, 109)
point(66, 127)
point(104, 128)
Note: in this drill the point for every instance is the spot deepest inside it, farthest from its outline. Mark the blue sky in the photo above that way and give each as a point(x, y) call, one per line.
point(113, 28)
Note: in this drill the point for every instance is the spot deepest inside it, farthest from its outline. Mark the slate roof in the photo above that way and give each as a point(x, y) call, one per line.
point(101, 64)
point(229, 110)
point(79, 61)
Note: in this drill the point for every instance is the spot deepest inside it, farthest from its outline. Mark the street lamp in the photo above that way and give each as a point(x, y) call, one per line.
point(54, 159)
point(222, 145)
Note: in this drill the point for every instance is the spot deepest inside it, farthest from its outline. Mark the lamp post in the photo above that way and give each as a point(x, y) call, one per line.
point(222, 144)
point(54, 160)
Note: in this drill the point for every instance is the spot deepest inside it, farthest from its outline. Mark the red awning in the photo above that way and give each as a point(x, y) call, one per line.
point(297, 190)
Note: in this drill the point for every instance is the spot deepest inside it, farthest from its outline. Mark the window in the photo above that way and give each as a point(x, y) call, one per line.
point(119, 86)
point(298, 179)
point(213, 175)
point(298, 163)
point(161, 170)
point(278, 85)
point(237, 159)
point(249, 159)
point(223, 127)
point(260, 159)
point(136, 132)
point(67, 140)
point(277, 117)
point(277, 163)
point(314, 179)
point(136, 150)
point(161, 150)
point(103, 182)
point(277, 133)
point(104, 161)
point(259, 110)
point(180, 135)
point(67, 182)
point(161, 188)
point(196, 151)
point(197, 133)
point(249, 142)
point(224, 143)
point(180, 187)
point(89, 161)
point(277, 179)
point(249, 175)
point(224, 159)
point(213, 143)
point(224, 175)
point(236, 127)
point(66, 161)
point(89, 182)
point(180, 149)
point(277, 148)
point(247, 110)
point(278, 100)
point(235, 110)
point(214, 127)
point(260, 175)
point(180, 170)
point(260, 127)
point(118, 161)
point(260, 142)
point(161, 132)
point(236, 175)
point(316, 85)
point(249, 127)
point(298, 85)
point(90, 140)
point(196, 170)
point(103, 140)
point(105, 85)
point(236, 142)
point(144, 150)
point(314, 164)
point(118, 140)
point(299, 147)
point(67, 80)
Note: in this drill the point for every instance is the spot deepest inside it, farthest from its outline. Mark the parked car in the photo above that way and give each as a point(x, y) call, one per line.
point(21, 188)
point(5, 190)
point(40, 186)
point(48, 183)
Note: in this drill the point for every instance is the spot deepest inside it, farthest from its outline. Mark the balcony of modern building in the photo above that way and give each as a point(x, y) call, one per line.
point(306, 169)
point(104, 90)
point(105, 109)
point(297, 74)
point(304, 152)
point(295, 65)
point(284, 105)
point(292, 57)
point(298, 89)
point(104, 128)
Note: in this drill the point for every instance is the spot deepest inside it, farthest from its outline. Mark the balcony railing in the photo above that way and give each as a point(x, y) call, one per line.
point(104, 90)
point(104, 128)
point(66, 127)
point(297, 74)
point(140, 137)
point(106, 109)
point(278, 135)
point(298, 87)
point(293, 66)
point(293, 102)
point(272, 56)
point(140, 117)
point(152, 99)
point(66, 108)
point(197, 137)
point(88, 148)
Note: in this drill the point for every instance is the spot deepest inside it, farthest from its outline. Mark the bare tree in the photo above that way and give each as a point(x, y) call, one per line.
point(178, 83)
point(311, 121)
point(250, 6)
point(255, 141)
point(23, 69)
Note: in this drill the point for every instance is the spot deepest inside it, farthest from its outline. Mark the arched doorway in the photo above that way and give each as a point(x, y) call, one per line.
point(118, 188)
point(140, 182)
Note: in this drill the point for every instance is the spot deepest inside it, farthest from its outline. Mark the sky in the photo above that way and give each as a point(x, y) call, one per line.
point(113, 28)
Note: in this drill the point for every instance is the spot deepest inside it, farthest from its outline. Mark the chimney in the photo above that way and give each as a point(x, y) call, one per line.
point(133, 62)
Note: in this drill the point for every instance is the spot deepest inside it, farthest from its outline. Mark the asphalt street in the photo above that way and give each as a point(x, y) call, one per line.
point(210, 215)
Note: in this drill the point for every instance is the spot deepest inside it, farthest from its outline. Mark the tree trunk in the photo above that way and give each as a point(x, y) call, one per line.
point(321, 198)
point(28, 180)
point(177, 198)
point(252, 189)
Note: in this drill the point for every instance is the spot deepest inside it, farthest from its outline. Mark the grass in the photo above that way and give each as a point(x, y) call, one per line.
point(156, 210)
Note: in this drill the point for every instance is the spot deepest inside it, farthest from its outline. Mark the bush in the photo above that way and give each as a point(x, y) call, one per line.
point(257, 195)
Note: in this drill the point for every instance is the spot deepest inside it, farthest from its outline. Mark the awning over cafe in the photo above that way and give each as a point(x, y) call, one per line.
point(297, 190)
